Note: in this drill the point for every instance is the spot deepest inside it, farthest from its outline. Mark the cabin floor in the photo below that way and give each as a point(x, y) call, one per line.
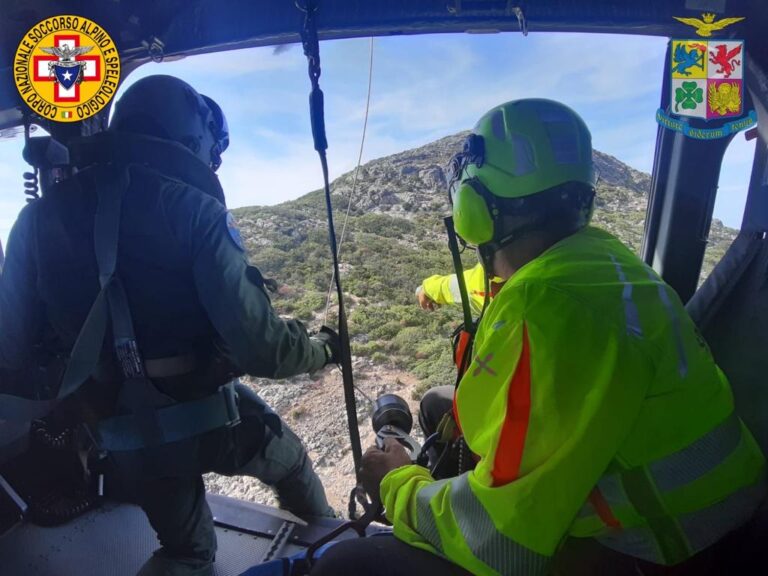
point(116, 539)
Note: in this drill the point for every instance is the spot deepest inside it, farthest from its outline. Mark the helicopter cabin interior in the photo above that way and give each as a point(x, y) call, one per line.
point(731, 307)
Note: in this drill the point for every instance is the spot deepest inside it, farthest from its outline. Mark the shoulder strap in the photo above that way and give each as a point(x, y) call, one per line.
point(111, 300)
point(130, 431)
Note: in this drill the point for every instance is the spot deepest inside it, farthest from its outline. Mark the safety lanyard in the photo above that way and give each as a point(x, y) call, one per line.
point(464, 336)
point(317, 118)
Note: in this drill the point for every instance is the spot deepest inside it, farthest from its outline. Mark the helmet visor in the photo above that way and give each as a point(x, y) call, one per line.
point(458, 164)
point(220, 131)
point(473, 152)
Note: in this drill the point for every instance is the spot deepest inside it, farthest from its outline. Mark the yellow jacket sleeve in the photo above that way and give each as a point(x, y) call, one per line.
point(445, 289)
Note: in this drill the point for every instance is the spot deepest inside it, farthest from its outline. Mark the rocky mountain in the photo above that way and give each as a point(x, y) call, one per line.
point(394, 238)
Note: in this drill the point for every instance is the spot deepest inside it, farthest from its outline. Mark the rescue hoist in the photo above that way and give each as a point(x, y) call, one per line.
point(462, 338)
point(311, 47)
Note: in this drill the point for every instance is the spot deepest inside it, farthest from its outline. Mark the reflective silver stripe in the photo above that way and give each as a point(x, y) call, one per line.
point(612, 489)
point(697, 459)
point(453, 288)
point(705, 527)
point(487, 544)
point(638, 542)
point(702, 528)
point(425, 520)
point(682, 359)
point(630, 309)
point(481, 535)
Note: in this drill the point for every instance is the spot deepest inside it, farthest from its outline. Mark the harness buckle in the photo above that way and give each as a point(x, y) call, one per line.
point(129, 358)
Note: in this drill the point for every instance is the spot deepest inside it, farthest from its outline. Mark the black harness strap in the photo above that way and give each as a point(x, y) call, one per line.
point(458, 267)
point(172, 423)
point(463, 337)
point(149, 424)
point(317, 117)
point(106, 233)
point(87, 349)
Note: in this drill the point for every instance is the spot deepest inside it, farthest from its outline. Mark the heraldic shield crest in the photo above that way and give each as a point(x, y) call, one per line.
point(707, 78)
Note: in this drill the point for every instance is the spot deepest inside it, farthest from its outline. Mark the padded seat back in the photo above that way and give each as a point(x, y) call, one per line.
point(731, 310)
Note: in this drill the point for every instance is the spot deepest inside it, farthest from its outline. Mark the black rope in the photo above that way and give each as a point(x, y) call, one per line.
point(317, 118)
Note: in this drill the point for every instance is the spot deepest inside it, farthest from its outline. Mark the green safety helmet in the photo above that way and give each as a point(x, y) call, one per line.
point(529, 159)
point(169, 108)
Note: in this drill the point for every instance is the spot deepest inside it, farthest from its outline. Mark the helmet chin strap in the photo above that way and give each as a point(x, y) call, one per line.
point(488, 250)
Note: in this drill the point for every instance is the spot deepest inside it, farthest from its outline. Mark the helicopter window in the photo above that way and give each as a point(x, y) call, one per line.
point(734, 181)
point(730, 202)
point(424, 88)
point(11, 184)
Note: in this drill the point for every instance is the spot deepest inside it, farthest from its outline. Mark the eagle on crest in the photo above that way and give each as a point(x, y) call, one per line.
point(706, 25)
point(67, 54)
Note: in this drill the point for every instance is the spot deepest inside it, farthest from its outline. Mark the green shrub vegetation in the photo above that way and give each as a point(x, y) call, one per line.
point(384, 258)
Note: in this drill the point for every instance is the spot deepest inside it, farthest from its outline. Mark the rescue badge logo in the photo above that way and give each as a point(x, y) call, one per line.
point(66, 68)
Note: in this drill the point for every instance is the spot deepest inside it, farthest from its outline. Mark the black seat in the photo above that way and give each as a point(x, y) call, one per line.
point(731, 310)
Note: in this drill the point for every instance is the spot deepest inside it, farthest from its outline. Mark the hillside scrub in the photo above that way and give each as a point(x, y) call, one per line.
point(395, 238)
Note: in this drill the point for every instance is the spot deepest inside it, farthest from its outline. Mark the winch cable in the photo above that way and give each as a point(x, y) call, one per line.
point(311, 47)
point(354, 180)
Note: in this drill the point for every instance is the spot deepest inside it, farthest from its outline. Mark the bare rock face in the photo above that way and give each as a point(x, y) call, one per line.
point(417, 180)
point(414, 179)
point(394, 239)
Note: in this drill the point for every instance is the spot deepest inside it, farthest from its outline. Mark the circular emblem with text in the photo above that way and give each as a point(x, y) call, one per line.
point(66, 68)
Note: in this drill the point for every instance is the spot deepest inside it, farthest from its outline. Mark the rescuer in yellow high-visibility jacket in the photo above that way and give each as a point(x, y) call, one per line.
point(595, 409)
point(439, 290)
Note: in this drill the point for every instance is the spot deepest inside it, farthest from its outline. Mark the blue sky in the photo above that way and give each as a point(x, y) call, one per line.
point(424, 87)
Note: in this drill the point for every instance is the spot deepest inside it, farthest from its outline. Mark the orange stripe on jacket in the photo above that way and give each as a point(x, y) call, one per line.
point(509, 452)
point(604, 512)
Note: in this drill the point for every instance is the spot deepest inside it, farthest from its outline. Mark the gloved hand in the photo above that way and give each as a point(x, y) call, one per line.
point(332, 344)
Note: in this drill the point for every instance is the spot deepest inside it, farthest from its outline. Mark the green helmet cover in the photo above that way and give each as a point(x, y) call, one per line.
point(529, 146)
